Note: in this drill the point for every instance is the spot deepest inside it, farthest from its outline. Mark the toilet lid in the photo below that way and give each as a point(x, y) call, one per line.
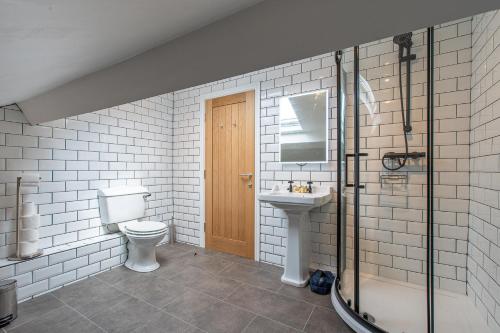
point(144, 227)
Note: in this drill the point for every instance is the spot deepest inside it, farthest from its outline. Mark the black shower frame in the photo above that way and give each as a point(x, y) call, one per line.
point(430, 189)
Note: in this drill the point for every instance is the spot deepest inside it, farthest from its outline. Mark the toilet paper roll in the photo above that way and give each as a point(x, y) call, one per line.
point(28, 248)
point(28, 235)
point(30, 222)
point(28, 209)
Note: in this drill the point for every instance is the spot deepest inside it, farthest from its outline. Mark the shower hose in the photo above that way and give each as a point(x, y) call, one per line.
point(401, 161)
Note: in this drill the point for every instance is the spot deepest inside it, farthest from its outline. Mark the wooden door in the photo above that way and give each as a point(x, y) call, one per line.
point(230, 174)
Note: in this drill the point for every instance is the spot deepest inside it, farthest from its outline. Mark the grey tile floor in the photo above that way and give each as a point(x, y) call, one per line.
point(194, 290)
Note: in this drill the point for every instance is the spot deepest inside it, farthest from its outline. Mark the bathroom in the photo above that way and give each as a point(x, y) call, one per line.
point(158, 146)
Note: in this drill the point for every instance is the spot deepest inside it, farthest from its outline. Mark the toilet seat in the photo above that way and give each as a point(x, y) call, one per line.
point(142, 228)
point(145, 227)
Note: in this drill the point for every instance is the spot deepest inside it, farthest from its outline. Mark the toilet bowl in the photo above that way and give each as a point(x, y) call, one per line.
point(121, 209)
point(142, 237)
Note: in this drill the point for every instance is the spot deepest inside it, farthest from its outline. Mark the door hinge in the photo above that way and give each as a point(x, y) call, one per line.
point(204, 227)
point(204, 174)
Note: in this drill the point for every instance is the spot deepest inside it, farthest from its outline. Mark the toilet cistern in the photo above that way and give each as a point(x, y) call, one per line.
point(297, 207)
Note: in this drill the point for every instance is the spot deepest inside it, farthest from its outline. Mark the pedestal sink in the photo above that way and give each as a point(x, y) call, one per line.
point(297, 207)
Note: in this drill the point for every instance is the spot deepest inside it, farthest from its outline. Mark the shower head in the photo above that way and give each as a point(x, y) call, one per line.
point(403, 40)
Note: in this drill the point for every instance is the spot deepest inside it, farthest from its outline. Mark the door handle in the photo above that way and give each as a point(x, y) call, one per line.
point(249, 175)
point(347, 169)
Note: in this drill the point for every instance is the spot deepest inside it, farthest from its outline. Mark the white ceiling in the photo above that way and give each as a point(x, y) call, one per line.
point(46, 43)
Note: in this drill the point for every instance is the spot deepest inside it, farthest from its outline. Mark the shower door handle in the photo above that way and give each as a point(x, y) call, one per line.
point(347, 169)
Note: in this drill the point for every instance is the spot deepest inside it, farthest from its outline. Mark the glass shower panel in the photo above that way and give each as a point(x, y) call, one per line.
point(347, 147)
point(392, 199)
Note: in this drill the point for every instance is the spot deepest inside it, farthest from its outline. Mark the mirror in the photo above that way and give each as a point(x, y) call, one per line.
point(304, 128)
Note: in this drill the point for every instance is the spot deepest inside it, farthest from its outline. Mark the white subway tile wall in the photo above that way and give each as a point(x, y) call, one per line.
point(483, 264)
point(393, 217)
point(129, 144)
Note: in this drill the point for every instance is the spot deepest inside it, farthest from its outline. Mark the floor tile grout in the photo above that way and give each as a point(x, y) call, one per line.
point(235, 289)
point(156, 307)
point(249, 323)
point(29, 321)
point(224, 299)
point(84, 316)
point(234, 262)
point(211, 296)
point(215, 274)
point(309, 318)
point(276, 292)
point(240, 307)
point(216, 299)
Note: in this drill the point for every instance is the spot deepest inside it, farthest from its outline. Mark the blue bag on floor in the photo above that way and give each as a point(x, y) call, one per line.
point(321, 282)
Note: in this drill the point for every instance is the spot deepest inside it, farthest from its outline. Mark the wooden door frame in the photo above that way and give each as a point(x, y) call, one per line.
point(203, 99)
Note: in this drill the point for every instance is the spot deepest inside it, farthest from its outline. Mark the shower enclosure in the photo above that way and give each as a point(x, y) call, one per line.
point(385, 192)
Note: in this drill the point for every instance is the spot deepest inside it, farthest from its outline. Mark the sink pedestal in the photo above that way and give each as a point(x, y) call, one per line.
point(298, 248)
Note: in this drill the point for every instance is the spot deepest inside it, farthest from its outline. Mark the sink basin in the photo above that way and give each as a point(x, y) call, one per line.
point(297, 207)
point(319, 197)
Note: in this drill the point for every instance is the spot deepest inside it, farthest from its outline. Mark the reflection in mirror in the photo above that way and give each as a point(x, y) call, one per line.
point(303, 128)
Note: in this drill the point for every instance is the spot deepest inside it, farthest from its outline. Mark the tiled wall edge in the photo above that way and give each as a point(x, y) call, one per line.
point(52, 271)
point(483, 262)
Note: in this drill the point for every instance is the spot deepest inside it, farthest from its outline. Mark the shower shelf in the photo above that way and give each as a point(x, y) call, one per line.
point(413, 155)
point(393, 179)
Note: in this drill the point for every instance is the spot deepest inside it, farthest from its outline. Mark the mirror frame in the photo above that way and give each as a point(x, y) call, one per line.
point(326, 91)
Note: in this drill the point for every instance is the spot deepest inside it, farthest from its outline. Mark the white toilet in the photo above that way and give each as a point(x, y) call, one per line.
point(120, 209)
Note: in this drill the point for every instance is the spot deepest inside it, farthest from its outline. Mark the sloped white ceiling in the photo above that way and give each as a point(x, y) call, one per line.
point(46, 43)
